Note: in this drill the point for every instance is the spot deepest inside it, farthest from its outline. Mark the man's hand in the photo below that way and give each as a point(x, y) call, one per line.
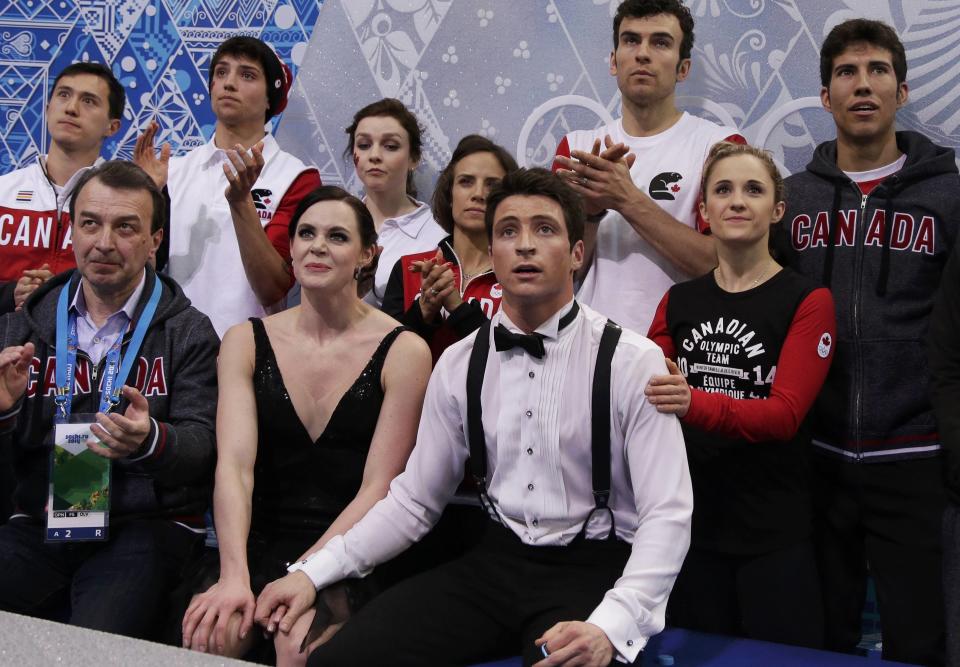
point(283, 601)
point(29, 282)
point(210, 612)
point(14, 370)
point(145, 155)
point(437, 288)
point(246, 168)
point(601, 178)
point(122, 435)
point(575, 643)
point(669, 393)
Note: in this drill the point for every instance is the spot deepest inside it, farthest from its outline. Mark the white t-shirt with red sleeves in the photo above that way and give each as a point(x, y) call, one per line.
point(628, 277)
point(204, 252)
point(868, 180)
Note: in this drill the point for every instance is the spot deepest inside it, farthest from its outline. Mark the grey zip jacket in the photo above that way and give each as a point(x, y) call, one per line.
point(172, 475)
point(882, 256)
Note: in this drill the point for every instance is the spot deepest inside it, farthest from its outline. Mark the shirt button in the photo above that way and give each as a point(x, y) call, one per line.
point(629, 642)
point(529, 487)
point(529, 413)
point(535, 523)
point(530, 451)
point(531, 374)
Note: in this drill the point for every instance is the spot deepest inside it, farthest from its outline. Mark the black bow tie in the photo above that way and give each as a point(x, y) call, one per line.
point(504, 339)
point(532, 344)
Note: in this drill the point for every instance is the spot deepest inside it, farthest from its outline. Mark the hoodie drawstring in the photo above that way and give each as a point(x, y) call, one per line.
point(833, 224)
point(885, 243)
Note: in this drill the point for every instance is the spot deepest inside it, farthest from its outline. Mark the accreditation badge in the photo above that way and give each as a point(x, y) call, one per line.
point(78, 505)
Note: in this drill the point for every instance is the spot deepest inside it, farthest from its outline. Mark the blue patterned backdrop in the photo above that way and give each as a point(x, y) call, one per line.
point(522, 72)
point(159, 49)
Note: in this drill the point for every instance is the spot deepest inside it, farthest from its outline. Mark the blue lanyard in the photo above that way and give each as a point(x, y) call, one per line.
point(116, 371)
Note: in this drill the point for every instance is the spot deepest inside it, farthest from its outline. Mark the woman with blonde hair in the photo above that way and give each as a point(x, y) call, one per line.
point(748, 347)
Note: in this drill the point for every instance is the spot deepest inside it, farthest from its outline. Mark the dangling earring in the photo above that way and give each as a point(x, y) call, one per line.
point(356, 274)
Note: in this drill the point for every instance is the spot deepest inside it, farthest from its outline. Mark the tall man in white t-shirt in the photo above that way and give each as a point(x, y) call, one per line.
point(643, 233)
point(231, 199)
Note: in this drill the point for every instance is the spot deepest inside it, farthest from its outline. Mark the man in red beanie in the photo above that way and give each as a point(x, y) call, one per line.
point(237, 241)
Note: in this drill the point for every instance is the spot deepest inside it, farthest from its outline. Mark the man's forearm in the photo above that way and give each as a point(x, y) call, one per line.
point(266, 270)
point(687, 249)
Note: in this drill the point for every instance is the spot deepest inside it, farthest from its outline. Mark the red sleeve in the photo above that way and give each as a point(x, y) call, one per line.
point(564, 150)
point(659, 331)
point(801, 371)
point(702, 225)
point(277, 228)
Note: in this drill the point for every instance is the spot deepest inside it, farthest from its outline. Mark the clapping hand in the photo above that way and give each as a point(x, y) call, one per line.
point(145, 155)
point(601, 178)
point(14, 370)
point(438, 288)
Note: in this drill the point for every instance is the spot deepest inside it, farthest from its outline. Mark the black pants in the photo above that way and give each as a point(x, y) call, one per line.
point(120, 586)
point(773, 596)
point(951, 581)
point(493, 602)
point(887, 515)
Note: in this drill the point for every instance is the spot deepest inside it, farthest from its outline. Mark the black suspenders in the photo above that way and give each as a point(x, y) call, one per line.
point(600, 421)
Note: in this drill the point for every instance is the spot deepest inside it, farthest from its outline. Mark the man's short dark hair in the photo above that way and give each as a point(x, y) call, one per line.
point(123, 175)
point(257, 50)
point(530, 183)
point(116, 97)
point(443, 192)
point(854, 31)
point(641, 9)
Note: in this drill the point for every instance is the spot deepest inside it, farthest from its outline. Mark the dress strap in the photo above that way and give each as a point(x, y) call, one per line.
point(261, 342)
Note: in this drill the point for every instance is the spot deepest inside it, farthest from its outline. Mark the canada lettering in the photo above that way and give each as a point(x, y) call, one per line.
point(733, 328)
point(150, 378)
point(906, 232)
point(30, 229)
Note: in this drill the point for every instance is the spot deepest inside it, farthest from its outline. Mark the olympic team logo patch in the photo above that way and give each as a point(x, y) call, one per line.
point(823, 347)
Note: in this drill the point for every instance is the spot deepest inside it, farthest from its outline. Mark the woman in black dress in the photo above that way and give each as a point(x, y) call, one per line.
point(318, 412)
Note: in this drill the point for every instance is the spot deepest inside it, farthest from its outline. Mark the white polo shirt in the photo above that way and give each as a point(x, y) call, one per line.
point(406, 234)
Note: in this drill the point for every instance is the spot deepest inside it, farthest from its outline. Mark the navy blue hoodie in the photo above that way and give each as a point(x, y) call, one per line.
point(875, 404)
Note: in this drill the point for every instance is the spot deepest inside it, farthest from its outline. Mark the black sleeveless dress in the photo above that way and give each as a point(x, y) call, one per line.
point(302, 486)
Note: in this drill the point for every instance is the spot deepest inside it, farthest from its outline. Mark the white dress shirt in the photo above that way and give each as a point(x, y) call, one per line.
point(536, 419)
point(406, 234)
point(96, 340)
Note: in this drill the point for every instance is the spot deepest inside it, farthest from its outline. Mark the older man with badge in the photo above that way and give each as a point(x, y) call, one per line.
point(107, 399)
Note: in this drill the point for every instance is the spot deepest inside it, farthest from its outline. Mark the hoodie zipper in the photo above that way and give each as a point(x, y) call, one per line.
point(858, 277)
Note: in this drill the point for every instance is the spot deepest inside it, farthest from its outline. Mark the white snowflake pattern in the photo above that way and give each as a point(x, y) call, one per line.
point(450, 56)
point(522, 51)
